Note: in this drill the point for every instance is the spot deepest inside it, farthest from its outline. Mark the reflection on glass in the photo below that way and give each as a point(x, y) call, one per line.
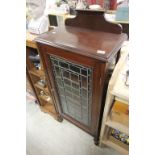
point(63, 64)
point(84, 82)
point(75, 68)
point(67, 82)
point(59, 81)
point(74, 78)
point(57, 70)
point(55, 62)
point(75, 85)
point(66, 74)
point(84, 72)
point(76, 92)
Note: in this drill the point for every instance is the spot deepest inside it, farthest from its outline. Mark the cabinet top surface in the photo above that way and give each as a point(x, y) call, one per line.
point(96, 44)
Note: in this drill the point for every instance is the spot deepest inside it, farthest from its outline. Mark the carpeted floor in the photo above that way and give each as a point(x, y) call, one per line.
point(46, 136)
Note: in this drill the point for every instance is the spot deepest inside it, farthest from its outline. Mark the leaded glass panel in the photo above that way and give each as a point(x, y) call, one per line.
point(73, 82)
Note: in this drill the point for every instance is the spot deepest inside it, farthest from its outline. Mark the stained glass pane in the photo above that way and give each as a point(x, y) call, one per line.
point(73, 82)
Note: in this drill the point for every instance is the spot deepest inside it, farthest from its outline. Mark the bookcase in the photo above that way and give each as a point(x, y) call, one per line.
point(37, 78)
point(115, 117)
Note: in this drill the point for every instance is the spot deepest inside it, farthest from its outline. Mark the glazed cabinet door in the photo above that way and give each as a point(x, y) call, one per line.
point(74, 87)
point(77, 82)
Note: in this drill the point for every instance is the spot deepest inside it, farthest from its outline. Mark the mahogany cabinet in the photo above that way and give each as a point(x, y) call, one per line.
point(77, 60)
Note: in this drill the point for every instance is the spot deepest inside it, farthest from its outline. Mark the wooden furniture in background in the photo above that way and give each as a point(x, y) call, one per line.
point(77, 60)
point(117, 93)
point(47, 103)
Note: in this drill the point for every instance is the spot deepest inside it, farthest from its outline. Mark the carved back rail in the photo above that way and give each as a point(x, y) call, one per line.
point(94, 20)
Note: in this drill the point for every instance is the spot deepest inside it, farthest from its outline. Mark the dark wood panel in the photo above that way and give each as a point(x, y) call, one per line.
point(94, 20)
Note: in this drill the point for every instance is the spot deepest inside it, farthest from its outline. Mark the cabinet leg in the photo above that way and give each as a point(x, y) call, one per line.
point(59, 118)
point(36, 102)
point(96, 141)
